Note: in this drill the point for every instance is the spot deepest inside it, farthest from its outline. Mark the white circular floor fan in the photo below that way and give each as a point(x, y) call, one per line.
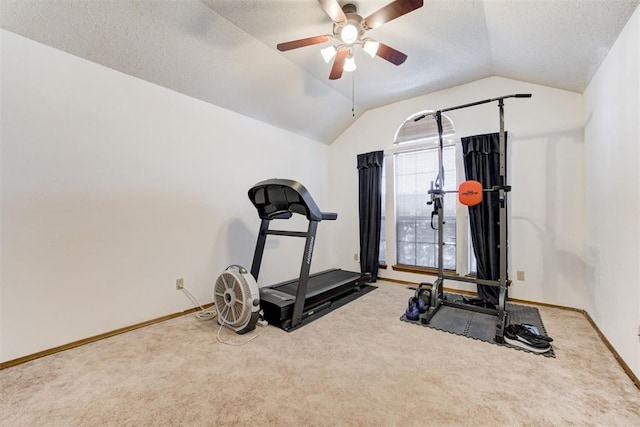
point(237, 299)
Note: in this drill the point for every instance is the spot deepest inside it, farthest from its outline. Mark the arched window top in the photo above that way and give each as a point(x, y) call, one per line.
point(424, 129)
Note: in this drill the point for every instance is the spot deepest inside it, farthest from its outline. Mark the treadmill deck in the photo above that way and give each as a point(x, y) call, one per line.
point(326, 291)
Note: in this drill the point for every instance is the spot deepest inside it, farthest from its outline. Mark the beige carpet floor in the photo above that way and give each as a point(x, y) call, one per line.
point(357, 366)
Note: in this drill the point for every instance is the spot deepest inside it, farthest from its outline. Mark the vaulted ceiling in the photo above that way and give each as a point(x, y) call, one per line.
point(224, 51)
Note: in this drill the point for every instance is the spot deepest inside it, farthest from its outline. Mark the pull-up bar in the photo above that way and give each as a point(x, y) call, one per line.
point(459, 107)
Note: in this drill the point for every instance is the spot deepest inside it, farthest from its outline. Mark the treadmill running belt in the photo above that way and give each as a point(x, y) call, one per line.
point(319, 282)
point(326, 291)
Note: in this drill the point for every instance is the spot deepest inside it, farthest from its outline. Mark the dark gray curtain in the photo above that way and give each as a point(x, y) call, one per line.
point(370, 203)
point(482, 163)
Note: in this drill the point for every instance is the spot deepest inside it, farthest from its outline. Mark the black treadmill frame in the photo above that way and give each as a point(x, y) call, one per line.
point(305, 268)
point(314, 216)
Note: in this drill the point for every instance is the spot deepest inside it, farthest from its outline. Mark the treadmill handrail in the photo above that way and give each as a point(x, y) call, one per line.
point(330, 216)
point(285, 195)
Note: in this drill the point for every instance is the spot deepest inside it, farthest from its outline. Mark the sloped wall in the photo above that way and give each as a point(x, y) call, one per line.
point(112, 188)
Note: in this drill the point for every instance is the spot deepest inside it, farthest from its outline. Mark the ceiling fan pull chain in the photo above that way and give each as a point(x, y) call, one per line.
point(353, 102)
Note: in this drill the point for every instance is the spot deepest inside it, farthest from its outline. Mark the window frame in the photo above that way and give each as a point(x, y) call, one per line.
point(463, 242)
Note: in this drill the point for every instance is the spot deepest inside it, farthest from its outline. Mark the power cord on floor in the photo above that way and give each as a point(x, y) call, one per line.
point(204, 313)
point(211, 313)
point(260, 322)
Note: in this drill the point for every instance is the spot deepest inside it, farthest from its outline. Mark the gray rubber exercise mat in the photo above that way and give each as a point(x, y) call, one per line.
point(481, 326)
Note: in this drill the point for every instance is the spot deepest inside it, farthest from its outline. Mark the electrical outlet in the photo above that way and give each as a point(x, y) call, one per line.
point(520, 275)
point(356, 257)
point(179, 283)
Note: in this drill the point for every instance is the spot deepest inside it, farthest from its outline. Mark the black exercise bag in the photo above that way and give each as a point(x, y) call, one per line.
point(482, 163)
point(370, 204)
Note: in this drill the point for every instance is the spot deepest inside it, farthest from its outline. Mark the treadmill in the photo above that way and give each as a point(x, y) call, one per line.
point(294, 303)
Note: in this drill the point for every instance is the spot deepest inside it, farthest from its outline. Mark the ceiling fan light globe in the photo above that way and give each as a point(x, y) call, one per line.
point(371, 47)
point(349, 34)
point(328, 53)
point(349, 63)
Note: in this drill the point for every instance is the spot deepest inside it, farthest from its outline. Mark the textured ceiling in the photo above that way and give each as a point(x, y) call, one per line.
point(224, 51)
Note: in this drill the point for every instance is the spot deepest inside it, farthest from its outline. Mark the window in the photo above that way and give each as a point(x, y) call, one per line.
point(473, 263)
point(407, 237)
point(416, 238)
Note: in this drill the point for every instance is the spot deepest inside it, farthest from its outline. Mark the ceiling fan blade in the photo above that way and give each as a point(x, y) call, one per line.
point(302, 43)
point(333, 9)
point(338, 64)
point(390, 54)
point(391, 11)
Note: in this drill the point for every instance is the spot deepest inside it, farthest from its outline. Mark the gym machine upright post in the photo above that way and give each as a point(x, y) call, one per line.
point(437, 192)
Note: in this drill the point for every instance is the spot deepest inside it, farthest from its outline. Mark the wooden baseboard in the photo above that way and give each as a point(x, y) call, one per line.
point(95, 338)
point(99, 337)
point(604, 339)
point(613, 351)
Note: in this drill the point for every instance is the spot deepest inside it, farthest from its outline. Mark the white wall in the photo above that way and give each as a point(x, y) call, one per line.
point(546, 172)
point(113, 187)
point(612, 140)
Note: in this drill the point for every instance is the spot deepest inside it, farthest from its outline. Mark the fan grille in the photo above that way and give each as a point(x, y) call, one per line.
point(231, 297)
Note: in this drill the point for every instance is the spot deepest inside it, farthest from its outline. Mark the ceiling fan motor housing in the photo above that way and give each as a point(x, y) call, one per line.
point(354, 20)
point(349, 8)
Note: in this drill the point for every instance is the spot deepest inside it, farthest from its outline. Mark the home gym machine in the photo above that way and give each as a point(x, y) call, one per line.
point(433, 297)
point(292, 304)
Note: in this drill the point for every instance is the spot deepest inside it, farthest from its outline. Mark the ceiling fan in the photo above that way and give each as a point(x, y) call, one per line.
point(349, 30)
